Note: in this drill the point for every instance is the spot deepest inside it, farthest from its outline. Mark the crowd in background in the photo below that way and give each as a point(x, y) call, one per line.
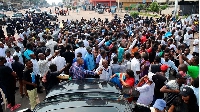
point(158, 57)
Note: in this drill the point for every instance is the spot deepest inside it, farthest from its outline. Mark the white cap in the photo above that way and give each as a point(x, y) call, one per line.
point(150, 75)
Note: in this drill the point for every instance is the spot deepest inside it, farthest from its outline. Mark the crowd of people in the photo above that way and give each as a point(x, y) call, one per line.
point(156, 57)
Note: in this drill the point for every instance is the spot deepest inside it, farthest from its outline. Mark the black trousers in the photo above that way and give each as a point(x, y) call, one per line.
point(1, 109)
point(10, 91)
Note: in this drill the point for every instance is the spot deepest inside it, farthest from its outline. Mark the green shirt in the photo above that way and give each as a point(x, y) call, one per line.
point(193, 71)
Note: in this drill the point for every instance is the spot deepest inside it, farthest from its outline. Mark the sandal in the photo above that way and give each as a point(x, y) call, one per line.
point(15, 107)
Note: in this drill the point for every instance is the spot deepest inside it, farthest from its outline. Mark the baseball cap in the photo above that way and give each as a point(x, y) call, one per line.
point(164, 67)
point(181, 74)
point(160, 104)
point(186, 91)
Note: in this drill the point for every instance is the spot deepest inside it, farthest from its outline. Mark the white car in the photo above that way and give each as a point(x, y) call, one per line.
point(31, 9)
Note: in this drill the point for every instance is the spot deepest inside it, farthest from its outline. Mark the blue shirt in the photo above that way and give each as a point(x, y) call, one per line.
point(27, 53)
point(120, 54)
point(89, 59)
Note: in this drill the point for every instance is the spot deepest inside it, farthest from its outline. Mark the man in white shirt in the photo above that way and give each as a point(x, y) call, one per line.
point(41, 36)
point(26, 32)
point(81, 49)
point(20, 40)
point(106, 71)
point(19, 54)
point(196, 47)
point(43, 64)
point(50, 44)
point(168, 62)
point(135, 66)
point(178, 38)
point(187, 38)
point(2, 50)
point(146, 90)
point(36, 72)
point(59, 61)
point(86, 43)
point(9, 59)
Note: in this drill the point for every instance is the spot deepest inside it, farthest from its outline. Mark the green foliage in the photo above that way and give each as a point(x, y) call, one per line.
point(141, 6)
point(133, 6)
point(74, 8)
point(134, 14)
point(177, 17)
point(68, 6)
point(126, 8)
point(154, 7)
point(163, 7)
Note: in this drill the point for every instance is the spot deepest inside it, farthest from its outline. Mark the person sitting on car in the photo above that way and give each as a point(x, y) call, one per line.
point(124, 79)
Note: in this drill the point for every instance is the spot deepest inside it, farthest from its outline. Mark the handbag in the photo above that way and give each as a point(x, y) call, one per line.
point(130, 91)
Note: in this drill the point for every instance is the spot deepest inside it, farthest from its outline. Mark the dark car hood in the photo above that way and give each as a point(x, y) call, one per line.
point(92, 105)
point(89, 95)
point(86, 85)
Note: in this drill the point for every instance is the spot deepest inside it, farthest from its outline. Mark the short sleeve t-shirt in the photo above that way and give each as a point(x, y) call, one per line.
point(159, 81)
point(6, 77)
point(27, 77)
point(130, 81)
point(173, 85)
point(52, 79)
point(180, 106)
point(193, 71)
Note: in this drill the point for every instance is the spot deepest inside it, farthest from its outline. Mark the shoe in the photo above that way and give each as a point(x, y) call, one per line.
point(15, 107)
point(9, 106)
point(39, 92)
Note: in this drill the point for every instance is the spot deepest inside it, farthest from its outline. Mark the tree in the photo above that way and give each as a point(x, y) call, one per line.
point(163, 7)
point(134, 14)
point(141, 6)
point(154, 7)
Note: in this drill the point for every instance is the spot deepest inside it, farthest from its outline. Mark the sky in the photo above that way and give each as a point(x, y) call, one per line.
point(56, 1)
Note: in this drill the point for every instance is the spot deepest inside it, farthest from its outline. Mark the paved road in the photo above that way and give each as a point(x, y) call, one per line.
point(72, 15)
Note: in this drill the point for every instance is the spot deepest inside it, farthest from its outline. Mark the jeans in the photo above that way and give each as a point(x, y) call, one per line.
point(32, 97)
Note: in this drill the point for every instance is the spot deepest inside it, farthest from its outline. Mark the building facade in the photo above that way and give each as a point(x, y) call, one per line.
point(106, 3)
point(127, 3)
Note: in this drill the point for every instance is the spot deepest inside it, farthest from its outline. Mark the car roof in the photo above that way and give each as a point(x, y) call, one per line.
point(90, 84)
point(86, 95)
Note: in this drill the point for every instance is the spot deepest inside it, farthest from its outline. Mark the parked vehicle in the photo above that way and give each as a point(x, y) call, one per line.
point(17, 15)
point(87, 95)
point(52, 17)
